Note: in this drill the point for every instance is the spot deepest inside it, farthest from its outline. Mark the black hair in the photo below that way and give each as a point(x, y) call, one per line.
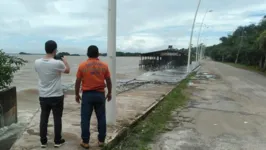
point(93, 51)
point(50, 46)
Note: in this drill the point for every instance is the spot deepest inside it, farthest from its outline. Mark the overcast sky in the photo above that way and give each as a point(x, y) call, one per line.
point(142, 25)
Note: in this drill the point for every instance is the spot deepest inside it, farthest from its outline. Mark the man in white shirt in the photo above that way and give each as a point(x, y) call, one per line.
point(51, 94)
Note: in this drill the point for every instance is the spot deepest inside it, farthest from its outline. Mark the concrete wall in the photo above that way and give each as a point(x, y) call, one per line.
point(8, 107)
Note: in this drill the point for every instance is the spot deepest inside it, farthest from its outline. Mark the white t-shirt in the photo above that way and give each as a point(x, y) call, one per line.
point(49, 72)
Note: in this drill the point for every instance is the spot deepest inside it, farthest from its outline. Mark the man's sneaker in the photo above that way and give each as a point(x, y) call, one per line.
point(84, 145)
point(62, 141)
point(44, 145)
point(101, 144)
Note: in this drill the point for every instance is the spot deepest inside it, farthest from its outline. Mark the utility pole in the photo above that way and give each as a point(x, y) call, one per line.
point(202, 51)
point(240, 45)
point(191, 35)
point(197, 49)
point(200, 48)
point(111, 50)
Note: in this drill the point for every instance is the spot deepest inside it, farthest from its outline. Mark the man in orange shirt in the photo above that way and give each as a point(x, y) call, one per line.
point(93, 73)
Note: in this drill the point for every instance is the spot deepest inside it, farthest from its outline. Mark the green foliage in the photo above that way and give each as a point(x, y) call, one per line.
point(262, 41)
point(8, 66)
point(64, 53)
point(23, 53)
point(246, 45)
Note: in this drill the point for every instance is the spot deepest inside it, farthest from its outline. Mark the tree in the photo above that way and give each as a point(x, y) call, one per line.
point(261, 42)
point(8, 66)
point(63, 53)
point(244, 46)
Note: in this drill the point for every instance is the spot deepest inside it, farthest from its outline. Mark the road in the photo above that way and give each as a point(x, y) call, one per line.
point(226, 112)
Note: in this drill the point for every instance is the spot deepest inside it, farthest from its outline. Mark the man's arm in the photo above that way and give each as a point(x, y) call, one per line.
point(77, 86)
point(67, 69)
point(108, 81)
point(62, 66)
point(109, 85)
point(36, 64)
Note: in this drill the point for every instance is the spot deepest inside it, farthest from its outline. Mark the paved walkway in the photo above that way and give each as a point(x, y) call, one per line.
point(227, 111)
point(130, 105)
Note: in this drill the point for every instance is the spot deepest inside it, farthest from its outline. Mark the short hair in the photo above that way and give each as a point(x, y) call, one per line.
point(50, 46)
point(93, 51)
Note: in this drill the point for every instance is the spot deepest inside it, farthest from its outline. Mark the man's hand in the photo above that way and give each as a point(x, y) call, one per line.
point(64, 59)
point(109, 97)
point(78, 98)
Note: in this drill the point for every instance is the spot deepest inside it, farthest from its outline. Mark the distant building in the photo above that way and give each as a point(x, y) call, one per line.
point(169, 57)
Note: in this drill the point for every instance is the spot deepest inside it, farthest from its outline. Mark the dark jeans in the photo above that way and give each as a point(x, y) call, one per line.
point(93, 100)
point(56, 104)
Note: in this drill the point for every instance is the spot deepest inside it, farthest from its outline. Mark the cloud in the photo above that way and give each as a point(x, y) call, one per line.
point(142, 41)
point(141, 25)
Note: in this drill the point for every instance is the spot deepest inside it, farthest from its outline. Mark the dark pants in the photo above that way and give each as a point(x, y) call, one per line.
point(93, 100)
point(56, 104)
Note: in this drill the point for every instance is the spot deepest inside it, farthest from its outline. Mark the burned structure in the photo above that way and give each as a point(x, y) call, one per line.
point(169, 57)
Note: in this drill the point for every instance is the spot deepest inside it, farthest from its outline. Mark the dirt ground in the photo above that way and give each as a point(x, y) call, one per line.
point(227, 111)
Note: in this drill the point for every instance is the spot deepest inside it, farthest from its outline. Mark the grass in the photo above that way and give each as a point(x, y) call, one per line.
point(250, 68)
point(145, 131)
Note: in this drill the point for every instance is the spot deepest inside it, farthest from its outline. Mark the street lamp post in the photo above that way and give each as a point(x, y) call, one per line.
point(197, 49)
point(111, 46)
point(202, 51)
point(202, 47)
point(191, 35)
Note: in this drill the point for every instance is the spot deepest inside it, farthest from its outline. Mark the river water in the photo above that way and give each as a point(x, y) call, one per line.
point(27, 95)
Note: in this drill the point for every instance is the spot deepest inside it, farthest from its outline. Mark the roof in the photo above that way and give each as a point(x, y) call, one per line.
point(161, 51)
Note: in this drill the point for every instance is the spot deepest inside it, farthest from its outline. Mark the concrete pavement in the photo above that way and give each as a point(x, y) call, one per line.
point(130, 105)
point(227, 111)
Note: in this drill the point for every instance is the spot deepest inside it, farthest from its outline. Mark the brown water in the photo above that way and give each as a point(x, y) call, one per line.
point(26, 78)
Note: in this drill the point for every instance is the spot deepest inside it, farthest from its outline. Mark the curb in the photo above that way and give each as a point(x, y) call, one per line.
point(126, 130)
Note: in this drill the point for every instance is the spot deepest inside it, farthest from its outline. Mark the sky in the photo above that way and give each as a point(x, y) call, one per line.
point(142, 25)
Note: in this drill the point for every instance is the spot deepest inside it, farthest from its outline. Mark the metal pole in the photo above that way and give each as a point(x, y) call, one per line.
point(111, 46)
point(191, 35)
point(203, 52)
point(201, 48)
point(197, 50)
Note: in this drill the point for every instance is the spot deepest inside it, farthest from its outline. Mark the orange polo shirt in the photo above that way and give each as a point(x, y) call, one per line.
point(93, 73)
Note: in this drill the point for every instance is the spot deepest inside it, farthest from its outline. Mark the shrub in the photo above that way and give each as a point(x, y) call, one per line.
point(8, 66)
